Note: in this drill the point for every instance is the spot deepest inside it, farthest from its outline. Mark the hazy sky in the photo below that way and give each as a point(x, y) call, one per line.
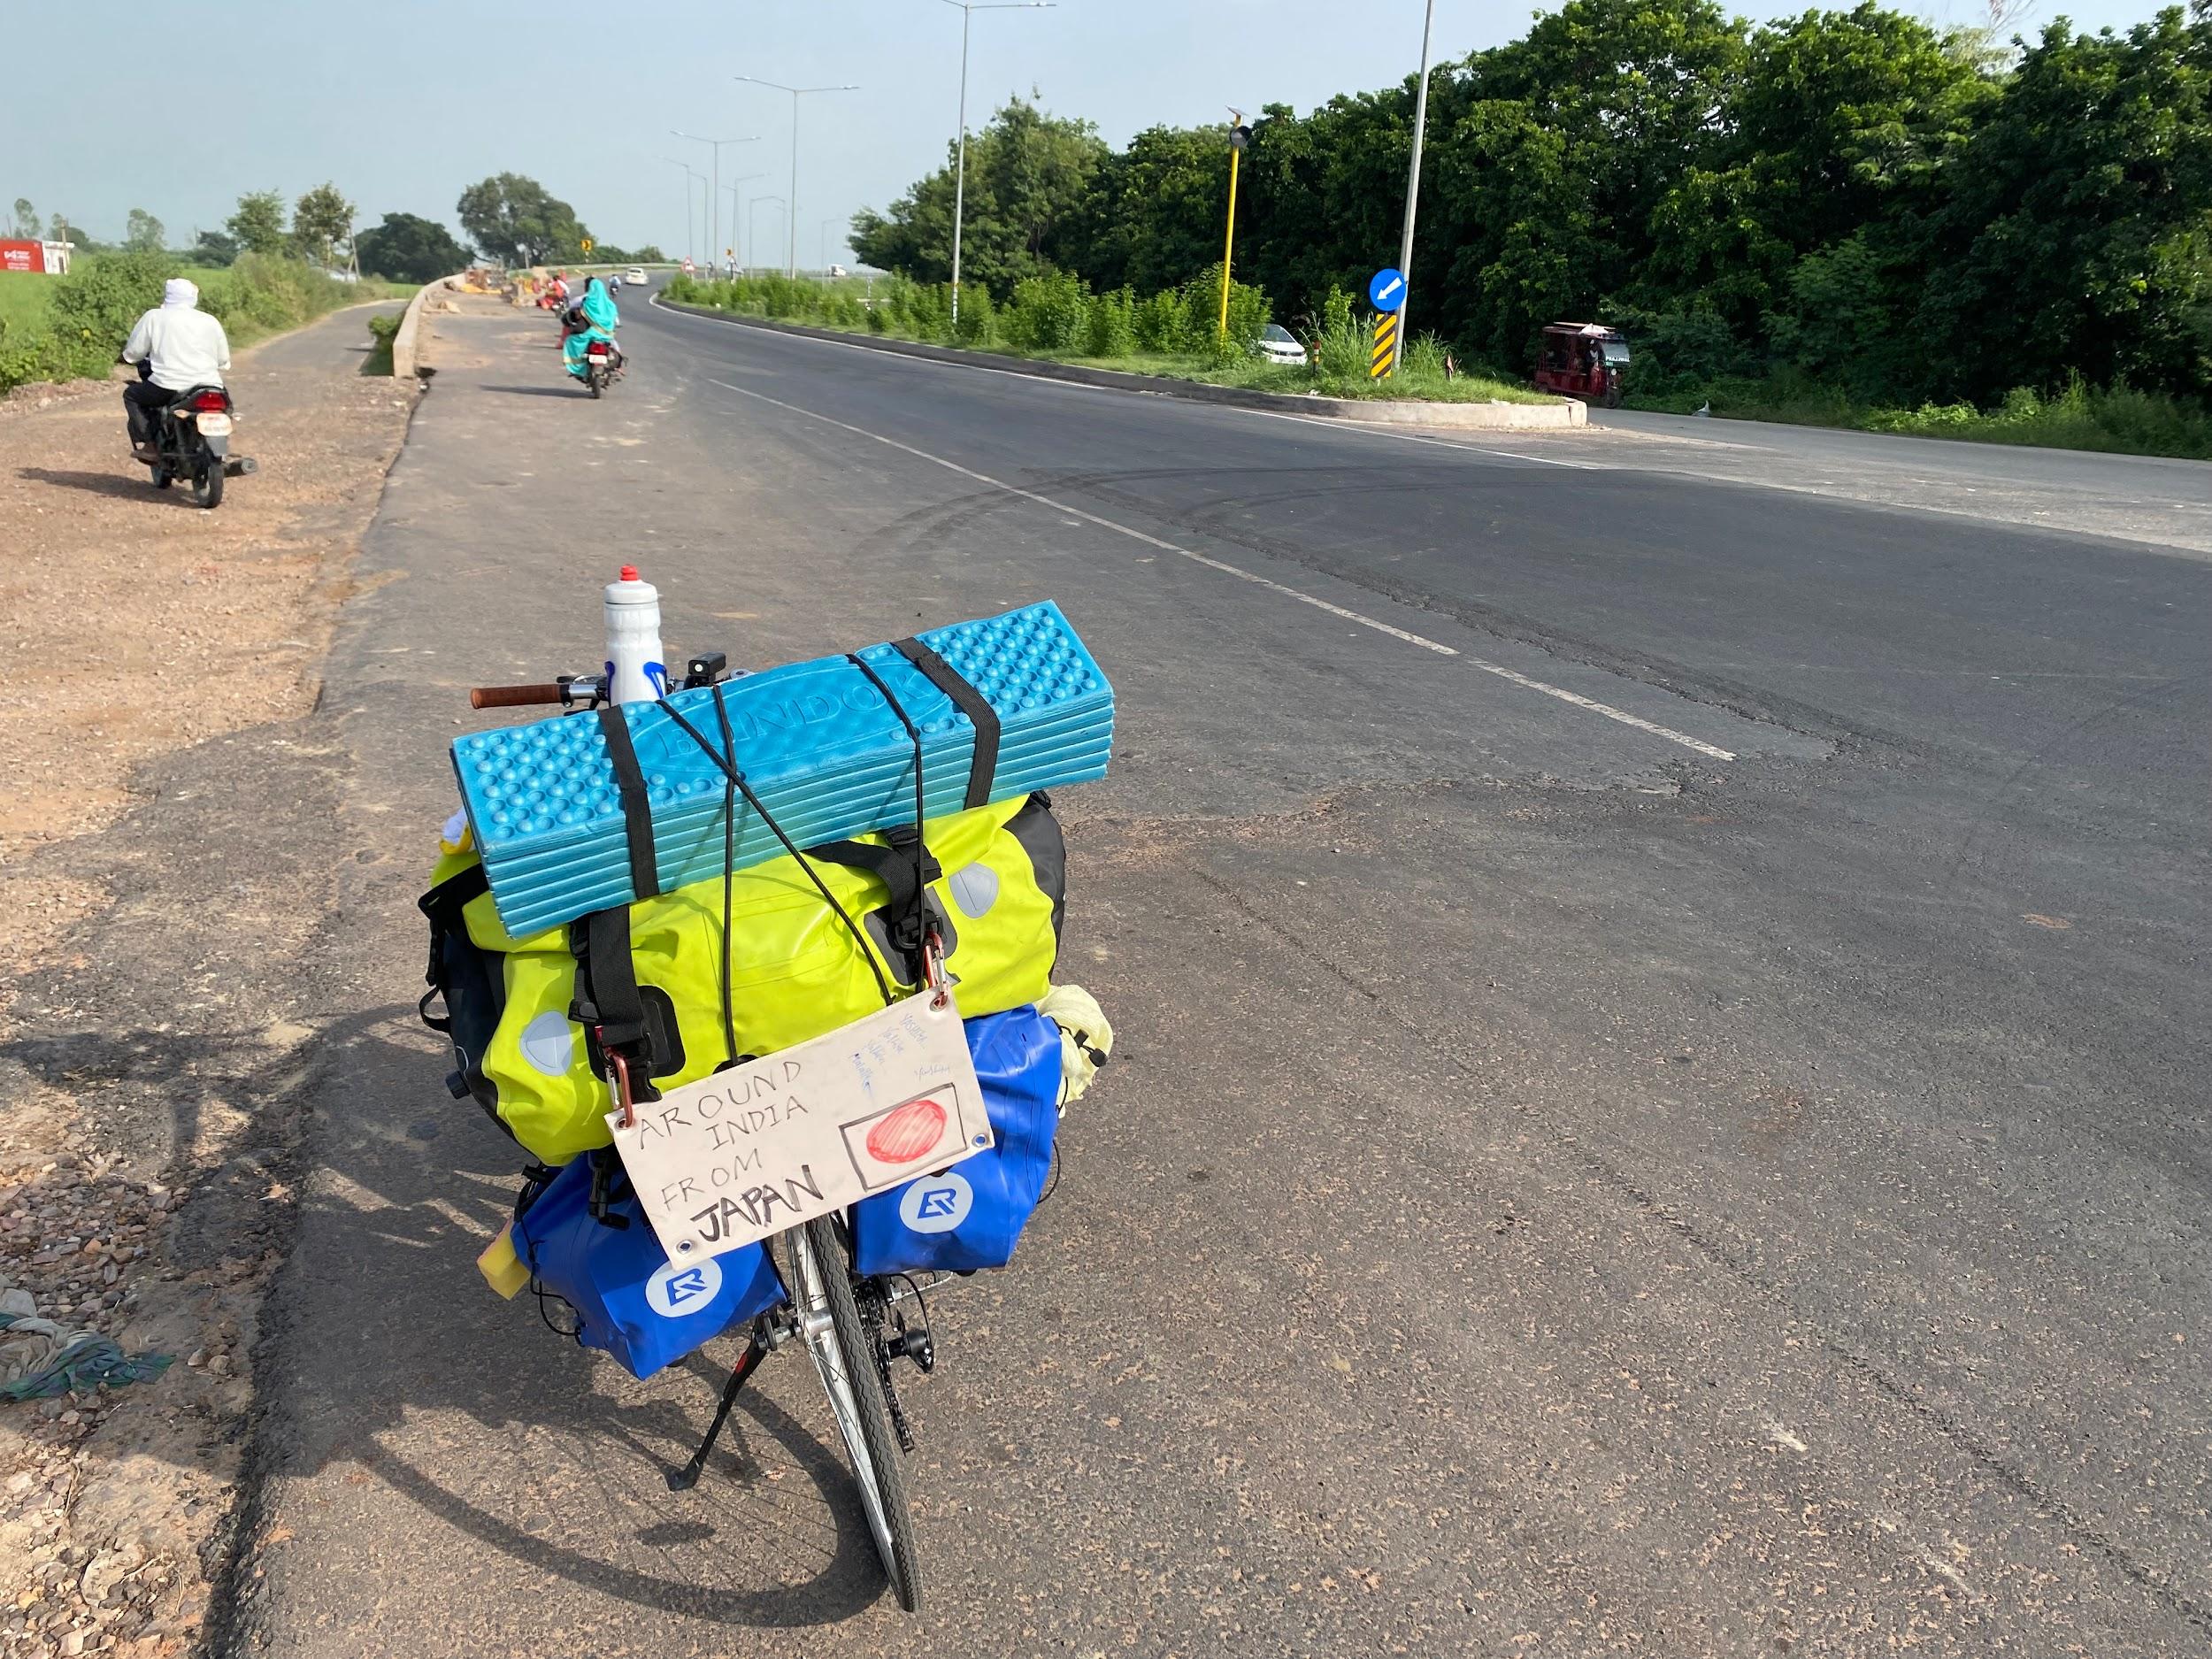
point(114, 104)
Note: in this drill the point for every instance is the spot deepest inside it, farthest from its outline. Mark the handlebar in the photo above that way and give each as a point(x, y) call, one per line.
point(516, 696)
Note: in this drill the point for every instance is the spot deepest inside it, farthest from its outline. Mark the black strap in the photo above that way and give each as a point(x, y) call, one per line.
point(607, 999)
point(970, 703)
point(893, 863)
point(444, 905)
point(637, 807)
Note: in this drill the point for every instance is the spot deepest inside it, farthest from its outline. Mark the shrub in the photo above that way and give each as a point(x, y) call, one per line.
point(1049, 314)
point(978, 318)
point(1113, 327)
point(1161, 321)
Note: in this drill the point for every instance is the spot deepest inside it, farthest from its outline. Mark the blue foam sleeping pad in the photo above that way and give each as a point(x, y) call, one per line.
point(817, 742)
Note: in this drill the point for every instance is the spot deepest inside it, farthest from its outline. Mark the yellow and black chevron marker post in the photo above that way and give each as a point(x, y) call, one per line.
point(1385, 356)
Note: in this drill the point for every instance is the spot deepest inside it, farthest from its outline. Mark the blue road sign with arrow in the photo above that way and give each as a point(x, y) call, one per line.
point(1386, 289)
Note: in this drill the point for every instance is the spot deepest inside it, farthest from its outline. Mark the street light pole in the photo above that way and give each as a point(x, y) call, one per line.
point(737, 262)
point(752, 221)
point(689, 176)
point(791, 207)
point(968, 8)
point(716, 144)
point(1413, 178)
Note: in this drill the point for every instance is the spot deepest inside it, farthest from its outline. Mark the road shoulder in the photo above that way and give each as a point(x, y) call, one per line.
point(166, 857)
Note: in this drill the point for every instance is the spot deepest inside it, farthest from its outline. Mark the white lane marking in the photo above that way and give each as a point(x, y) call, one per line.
point(1580, 702)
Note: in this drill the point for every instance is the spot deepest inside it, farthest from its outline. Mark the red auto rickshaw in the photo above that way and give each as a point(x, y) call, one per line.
point(1584, 360)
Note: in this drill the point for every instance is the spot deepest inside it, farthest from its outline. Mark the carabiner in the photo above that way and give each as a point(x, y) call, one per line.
point(934, 969)
point(619, 1074)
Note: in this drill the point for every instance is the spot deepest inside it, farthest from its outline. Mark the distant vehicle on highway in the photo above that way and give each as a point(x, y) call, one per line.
point(1584, 360)
point(838, 271)
point(636, 276)
point(1277, 344)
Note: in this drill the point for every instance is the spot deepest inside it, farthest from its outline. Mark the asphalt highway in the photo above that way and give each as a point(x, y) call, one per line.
point(1660, 1104)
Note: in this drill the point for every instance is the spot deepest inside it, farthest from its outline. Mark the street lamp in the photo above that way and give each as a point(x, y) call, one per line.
point(752, 216)
point(791, 258)
point(688, 177)
point(960, 169)
point(736, 263)
point(716, 143)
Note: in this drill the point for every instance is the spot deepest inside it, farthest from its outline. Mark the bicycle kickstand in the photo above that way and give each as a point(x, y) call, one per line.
point(683, 1479)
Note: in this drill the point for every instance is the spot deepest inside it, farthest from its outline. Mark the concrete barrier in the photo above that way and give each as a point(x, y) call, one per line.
point(407, 343)
point(1567, 412)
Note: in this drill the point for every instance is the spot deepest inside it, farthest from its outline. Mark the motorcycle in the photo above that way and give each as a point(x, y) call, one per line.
point(602, 364)
point(192, 442)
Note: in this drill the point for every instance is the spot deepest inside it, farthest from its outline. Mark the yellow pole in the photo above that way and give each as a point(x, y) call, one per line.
point(1229, 243)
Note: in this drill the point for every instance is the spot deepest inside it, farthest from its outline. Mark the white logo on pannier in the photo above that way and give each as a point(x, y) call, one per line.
point(675, 1289)
point(937, 1204)
point(548, 1043)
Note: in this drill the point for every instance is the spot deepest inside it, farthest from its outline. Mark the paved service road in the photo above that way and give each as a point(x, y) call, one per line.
point(1661, 1102)
point(2141, 498)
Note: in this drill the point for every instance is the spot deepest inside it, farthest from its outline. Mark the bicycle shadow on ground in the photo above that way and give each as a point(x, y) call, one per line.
point(574, 391)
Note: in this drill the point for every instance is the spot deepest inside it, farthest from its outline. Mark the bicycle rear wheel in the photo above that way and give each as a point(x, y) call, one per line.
point(844, 1353)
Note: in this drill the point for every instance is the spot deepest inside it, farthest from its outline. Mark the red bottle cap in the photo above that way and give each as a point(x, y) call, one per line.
point(629, 572)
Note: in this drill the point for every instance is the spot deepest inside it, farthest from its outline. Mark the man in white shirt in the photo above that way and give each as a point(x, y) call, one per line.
point(187, 348)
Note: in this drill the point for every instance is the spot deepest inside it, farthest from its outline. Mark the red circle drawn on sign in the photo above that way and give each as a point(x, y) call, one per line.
point(907, 1133)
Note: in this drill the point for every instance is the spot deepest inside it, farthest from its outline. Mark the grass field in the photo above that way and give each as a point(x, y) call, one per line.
point(23, 295)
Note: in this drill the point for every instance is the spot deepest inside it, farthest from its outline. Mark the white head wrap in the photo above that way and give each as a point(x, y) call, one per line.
point(180, 291)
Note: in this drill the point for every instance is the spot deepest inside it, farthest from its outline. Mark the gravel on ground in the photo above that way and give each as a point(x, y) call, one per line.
point(138, 629)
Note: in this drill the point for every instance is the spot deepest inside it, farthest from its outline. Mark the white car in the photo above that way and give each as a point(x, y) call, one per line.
point(636, 277)
point(1277, 344)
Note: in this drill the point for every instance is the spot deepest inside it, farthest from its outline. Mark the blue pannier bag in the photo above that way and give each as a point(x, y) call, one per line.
point(970, 1215)
point(630, 1299)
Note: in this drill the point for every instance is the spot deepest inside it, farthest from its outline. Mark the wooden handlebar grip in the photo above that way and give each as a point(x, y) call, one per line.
point(513, 696)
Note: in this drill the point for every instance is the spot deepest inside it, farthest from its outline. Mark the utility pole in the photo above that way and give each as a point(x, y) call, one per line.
point(960, 167)
point(1413, 178)
point(791, 207)
point(715, 233)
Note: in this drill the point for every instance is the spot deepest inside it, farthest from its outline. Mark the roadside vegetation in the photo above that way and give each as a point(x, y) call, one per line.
point(86, 315)
point(2120, 419)
point(272, 266)
point(1847, 215)
point(1176, 332)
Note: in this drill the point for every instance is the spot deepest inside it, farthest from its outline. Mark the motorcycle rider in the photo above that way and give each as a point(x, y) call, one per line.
point(598, 318)
point(186, 347)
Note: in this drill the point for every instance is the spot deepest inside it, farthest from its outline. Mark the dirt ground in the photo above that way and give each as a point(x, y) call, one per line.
point(155, 653)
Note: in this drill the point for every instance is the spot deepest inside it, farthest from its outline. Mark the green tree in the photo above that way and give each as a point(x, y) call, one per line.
point(409, 248)
point(516, 220)
point(2076, 237)
point(257, 226)
point(142, 232)
point(322, 219)
point(213, 247)
point(26, 219)
point(1028, 176)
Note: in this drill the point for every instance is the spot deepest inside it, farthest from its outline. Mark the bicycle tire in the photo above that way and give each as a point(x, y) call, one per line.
point(846, 1358)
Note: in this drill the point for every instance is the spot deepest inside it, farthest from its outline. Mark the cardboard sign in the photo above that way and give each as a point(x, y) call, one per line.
point(805, 1131)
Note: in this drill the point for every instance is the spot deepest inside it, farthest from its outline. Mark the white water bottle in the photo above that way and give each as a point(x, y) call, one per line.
point(635, 673)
